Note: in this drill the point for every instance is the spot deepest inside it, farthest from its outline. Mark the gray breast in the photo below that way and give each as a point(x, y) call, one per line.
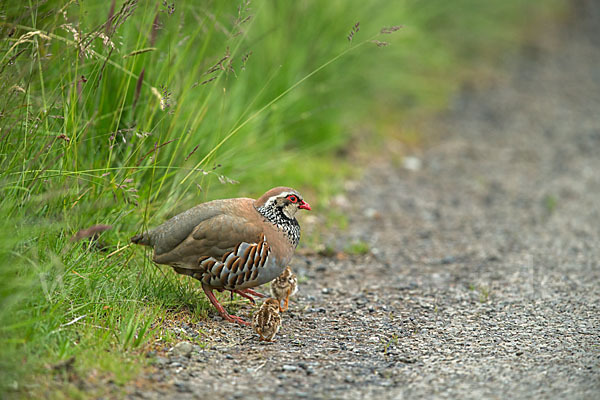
point(271, 270)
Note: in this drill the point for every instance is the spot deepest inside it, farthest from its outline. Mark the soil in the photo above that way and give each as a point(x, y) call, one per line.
point(482, 275)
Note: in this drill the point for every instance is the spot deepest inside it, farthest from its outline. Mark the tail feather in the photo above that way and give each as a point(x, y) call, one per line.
point(142, 239)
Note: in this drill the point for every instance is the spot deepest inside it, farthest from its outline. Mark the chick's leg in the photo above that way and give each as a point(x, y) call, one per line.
point(286, 300)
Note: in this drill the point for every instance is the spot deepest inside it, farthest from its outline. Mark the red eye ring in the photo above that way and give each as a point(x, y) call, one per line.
point(292, 198)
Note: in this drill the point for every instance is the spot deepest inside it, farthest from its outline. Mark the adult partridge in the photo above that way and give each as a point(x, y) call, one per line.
point(230, 244)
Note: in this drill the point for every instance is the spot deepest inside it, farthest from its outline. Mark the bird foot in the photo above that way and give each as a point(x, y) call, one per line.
point(235, 319)
point(224, 314)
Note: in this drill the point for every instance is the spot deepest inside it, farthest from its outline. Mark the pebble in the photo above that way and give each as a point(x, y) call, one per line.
point(371, 213)
point(411, 163)
point(182, 349)
point(182, 387)
point(161, 361)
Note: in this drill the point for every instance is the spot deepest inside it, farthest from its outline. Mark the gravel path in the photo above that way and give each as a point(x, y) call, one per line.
point(483, 278)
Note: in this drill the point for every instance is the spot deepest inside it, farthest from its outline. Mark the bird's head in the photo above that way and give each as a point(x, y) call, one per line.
point(272, 304)
point(288, 276)
point(282, 200)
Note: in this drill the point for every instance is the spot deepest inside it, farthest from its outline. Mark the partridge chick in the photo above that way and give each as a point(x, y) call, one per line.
point(284, 286)
point(231, 244)
point(267, 321)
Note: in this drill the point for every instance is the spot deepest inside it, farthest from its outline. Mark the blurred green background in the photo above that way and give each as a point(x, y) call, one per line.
point(126, 112)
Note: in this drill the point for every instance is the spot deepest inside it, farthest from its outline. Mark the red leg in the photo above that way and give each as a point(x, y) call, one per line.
point(243, 294)
point(285, 302)
point(253, 293)
point(220, 309)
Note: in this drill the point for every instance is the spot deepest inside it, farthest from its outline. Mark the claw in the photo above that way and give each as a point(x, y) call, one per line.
point(224, 314)
point(236, 319)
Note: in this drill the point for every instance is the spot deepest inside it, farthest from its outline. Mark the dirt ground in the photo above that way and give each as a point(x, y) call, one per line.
point(482, 278)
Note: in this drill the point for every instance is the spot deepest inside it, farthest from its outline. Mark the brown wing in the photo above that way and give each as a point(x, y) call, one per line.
point(216, 230)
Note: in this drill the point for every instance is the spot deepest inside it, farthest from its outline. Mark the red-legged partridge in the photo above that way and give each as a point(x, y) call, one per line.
point(284, 286)
point(231, 244)
point(267, 321)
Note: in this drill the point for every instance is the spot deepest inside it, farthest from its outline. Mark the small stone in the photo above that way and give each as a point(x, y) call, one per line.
point(161, 361)
point(182, 349)
point(494, 257)
point(448, 260)
point(289, 368)
point(411, 163)
point(372, 213)
point(182, 387)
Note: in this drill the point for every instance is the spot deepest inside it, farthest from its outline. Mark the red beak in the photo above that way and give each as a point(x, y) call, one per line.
point(304, 205)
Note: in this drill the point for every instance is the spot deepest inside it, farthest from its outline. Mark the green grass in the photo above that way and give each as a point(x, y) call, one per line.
point(358, 248)
point(128, 123)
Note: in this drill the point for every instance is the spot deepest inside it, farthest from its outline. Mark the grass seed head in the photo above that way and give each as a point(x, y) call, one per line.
point(391, 29)
point(354, 30)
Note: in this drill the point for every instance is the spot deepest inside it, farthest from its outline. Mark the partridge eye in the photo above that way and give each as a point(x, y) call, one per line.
point(293, 198)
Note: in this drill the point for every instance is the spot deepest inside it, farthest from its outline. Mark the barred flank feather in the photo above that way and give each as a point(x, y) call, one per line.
point(236, 267)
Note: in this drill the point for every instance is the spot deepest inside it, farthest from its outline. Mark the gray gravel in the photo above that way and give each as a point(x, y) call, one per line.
point(483, 273)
